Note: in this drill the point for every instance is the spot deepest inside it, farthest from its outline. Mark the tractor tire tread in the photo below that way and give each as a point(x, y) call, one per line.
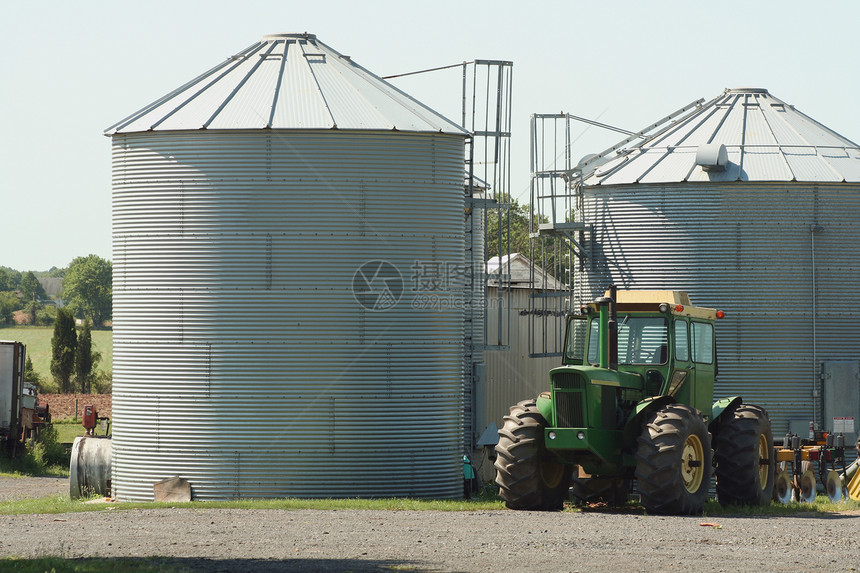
point(658, 461)
point(737, 458)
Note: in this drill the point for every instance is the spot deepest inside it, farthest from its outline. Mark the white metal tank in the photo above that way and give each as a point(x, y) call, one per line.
point(751, 207)
point(274, 220)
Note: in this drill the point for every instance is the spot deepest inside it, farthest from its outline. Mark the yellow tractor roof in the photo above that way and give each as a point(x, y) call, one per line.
point(632, 300)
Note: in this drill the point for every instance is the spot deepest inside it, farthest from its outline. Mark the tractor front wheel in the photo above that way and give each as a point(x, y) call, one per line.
point(528, 476)
point(673, 461)
point(746, 466)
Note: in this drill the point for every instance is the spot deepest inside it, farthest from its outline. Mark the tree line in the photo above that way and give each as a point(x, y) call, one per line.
point(87, 293)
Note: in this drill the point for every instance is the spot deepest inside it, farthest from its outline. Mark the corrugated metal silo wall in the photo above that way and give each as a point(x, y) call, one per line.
point(746, 248)
point(242, 359)
point(512, 375)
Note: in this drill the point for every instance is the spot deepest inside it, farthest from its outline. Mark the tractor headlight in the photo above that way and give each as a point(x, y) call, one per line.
point(581, 435)
point(551, 435)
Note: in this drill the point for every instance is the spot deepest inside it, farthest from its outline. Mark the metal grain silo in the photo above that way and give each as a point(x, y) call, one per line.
point(752, 207)
point(274, 220)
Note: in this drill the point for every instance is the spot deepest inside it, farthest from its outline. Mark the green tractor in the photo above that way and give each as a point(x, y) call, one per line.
point(633, 400)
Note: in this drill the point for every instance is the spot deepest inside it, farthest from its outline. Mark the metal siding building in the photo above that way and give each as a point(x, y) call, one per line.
point(771, 240)
point(272, 222)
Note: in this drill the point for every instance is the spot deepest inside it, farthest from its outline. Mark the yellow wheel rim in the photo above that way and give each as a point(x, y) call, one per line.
point(551, 473)
point(763, 461)
point(692, 463)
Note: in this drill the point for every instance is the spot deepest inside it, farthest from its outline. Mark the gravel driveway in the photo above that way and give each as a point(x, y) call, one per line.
point(28, 486)
point(351, 540)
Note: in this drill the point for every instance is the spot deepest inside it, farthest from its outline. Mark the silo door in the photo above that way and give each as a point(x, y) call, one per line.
point(840, 395)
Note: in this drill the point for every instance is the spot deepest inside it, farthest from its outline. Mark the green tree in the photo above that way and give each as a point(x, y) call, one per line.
point(32, 308)
point(86, 359)
point(5, 282)
point(63, 346)
point(31, 289)
point(9, 303)
point(87, 288)
point(12, 278)
point(514, 224)
point(545, 253)
point(31, 376)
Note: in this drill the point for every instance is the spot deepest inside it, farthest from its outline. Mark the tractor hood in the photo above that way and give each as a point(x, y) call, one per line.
point(597, 376)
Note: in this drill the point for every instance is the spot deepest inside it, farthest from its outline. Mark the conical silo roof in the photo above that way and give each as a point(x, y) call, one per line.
point(286, 81)
point(764, 139)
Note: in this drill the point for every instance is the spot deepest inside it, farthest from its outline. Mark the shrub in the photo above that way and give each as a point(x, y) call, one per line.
point(103, 382)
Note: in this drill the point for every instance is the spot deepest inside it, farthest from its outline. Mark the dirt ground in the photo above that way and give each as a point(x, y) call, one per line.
point(63, 405)
point(308, 540)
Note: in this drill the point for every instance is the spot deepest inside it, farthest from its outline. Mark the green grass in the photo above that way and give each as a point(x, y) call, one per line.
point(38, 341)
point(821, 505)
point(90, 565)
point(68, 430)
point(62, 504)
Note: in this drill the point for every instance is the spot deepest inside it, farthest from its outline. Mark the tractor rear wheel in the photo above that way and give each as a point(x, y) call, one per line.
point(528, 476)
point(673, 461)
point(746, 466)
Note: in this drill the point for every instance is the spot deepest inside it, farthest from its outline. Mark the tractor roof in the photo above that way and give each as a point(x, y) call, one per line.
point(649, 300)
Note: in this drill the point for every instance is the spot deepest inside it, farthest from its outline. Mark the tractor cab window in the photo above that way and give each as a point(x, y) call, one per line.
point(641, 340)
point(703, 342)
point(682, 343)
point(574, 344)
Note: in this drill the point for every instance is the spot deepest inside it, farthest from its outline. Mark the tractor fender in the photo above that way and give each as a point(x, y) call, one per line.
point(633, 427)
point(721, 407)
point(544, 406)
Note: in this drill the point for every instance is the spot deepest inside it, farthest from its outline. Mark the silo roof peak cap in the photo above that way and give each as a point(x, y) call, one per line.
point(302, 36)
point(746, 91)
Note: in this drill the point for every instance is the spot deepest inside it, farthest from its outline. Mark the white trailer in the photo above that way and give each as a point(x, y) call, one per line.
point(12, 356)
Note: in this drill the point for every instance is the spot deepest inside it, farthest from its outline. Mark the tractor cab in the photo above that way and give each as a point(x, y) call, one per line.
point(659, 336)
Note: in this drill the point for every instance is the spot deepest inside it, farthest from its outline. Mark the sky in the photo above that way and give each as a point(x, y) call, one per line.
point(71, 69)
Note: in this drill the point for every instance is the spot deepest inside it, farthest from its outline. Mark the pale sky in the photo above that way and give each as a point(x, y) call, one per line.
point(71, 69)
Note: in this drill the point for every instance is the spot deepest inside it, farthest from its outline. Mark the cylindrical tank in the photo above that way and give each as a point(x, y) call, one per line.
point(267, 342)
point(770, 238)
point(90, 467)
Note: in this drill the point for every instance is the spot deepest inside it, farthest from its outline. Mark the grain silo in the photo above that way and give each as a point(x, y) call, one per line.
point(274, 220)
point(751, 207)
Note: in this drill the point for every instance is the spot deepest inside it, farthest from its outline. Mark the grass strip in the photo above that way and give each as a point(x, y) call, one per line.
point(62, 504)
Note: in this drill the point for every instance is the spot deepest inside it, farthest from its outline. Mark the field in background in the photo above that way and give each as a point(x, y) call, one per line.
point(38, 341)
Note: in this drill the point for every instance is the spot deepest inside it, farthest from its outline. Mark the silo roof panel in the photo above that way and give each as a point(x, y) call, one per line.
point(287, 82)
point(202, 108)
point(808, 165)
point(766, 160)
point(300, 102)
point(765, 138)
point(251, 104)
point(730, 130)
point(630, 168)
point(675, 165)
point(845, 162)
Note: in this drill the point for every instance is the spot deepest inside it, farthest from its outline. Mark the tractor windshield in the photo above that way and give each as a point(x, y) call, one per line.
point(641, 340)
